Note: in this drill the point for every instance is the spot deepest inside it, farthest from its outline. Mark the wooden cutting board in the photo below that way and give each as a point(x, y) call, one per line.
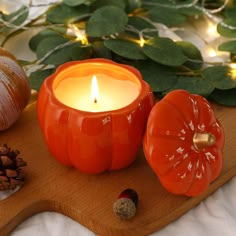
point(88, 199)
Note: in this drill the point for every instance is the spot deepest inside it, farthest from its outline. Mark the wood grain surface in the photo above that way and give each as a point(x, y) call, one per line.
point(88, 199)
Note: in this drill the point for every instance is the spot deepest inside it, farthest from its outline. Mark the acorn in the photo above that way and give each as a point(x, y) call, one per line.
point(126, 204)
point(11, 172)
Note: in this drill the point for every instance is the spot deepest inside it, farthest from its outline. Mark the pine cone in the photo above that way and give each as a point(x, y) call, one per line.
point(11, 174)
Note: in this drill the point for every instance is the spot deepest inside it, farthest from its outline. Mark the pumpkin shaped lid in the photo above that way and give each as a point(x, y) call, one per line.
point(183, 143)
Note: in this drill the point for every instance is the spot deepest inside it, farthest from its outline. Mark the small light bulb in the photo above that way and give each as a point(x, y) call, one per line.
point(141, 42)
point(212, 53)
point(233, 70)
point(80, 36)
point(212, 29)
point(232, 66)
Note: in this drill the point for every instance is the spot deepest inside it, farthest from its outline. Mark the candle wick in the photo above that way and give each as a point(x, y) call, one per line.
point(95, 100)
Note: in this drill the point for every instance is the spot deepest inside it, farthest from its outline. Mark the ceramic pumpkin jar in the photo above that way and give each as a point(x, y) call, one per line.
point(93, 142)
point(14, 89)
point(183, 143)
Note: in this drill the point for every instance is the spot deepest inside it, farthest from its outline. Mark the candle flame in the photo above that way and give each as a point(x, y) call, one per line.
point(94, 89)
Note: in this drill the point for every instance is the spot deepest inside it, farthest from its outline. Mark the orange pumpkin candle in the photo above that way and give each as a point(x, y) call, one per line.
point(93, 113)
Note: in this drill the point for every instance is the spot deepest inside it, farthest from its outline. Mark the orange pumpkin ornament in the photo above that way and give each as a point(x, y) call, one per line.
point(93, 142)
point(14, 89)
point(183, 143)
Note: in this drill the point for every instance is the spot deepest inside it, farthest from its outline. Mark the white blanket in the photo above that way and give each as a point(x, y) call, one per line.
point(216, 216)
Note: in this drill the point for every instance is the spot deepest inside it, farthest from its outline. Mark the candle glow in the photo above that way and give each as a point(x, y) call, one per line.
point(96, 90)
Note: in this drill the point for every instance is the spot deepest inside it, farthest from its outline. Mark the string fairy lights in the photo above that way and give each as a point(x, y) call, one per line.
point(210, 36)
point(79, 34)
point(212, 21)
point(212, 29)
point(232, 72)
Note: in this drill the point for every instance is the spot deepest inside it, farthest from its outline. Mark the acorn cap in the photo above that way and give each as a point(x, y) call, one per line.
point(124, 208)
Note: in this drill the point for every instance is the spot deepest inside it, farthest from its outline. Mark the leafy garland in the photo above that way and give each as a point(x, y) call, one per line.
point(127, 31)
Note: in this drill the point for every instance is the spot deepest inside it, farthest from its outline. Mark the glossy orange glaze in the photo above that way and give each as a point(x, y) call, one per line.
point(93, 142)
point(169, 148)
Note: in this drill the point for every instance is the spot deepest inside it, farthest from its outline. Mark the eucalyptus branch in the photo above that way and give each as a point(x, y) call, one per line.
point(20, 28)
point(20, 14)
point(189, 73)
point(42, 4)
point(10, 35)
point(193, 3)
point(208, 13)
point(39, 61)
point(219, 9)
point(10, 25)
point(159, 56)
point(79, 18)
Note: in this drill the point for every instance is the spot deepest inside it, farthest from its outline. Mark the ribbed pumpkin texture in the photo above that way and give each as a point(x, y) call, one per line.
point(93, 142)
point(183, 143)
point(14, 89)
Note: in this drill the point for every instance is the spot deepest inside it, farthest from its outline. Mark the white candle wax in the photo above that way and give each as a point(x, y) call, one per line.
point(114, 93)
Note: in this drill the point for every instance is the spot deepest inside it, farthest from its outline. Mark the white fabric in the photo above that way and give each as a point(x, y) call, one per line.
point(7, 193)
point(216, 216)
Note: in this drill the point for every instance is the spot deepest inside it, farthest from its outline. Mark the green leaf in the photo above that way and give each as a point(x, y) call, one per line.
point(48, 44)
point(132, 5)
point(159, 77)
point(60, 55)
point(141, 25)
point(125, 49)
point(36, 78)
point(64, 54)
point(100, 50)
point(101, 3)
point(230, 12)
point(63, 14)
point(190, 11)
point(194, 85)
point(166, 16)
point(164, 51)
point(16, 18)
point(74, 3)
point(224, 97)
point(166, 4)
point(228, 46)
point(225, 31)
point(192, 52)
point(79, 52)
point(35, 40)
point(220, 77)
point(106, 21)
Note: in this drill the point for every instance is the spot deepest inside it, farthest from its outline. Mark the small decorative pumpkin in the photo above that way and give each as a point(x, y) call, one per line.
point(93, 142)
point(14, 89)
point(183, 143)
